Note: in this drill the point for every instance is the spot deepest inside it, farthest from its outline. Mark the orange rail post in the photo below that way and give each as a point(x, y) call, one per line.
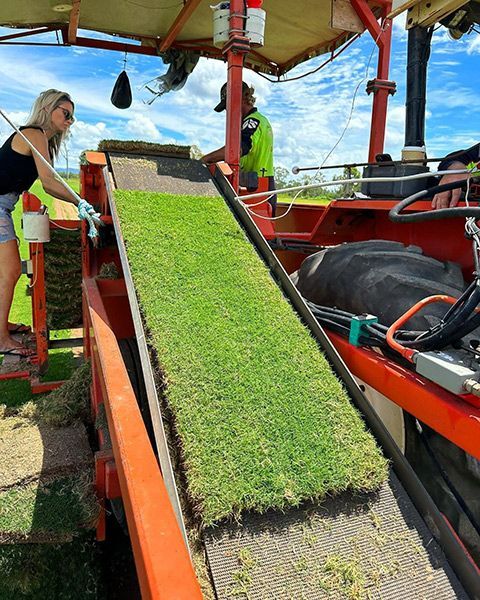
point(162, 560)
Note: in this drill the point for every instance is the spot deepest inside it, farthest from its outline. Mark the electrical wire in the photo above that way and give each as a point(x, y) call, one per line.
point(60, 226)
point(35, 270)
point(249, 207)
point(358, 180)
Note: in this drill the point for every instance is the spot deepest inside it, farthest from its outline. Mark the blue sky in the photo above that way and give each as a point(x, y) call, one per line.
point(308, 116)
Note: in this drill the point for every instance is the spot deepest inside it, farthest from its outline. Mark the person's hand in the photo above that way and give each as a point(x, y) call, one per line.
point(450, 198)
point(86, 212)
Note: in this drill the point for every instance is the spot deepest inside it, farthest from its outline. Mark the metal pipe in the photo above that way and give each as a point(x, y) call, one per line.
point(383, 163)
point(417, 61)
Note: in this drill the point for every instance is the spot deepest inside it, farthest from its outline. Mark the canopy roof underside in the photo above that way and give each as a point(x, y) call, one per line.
point(294, 32)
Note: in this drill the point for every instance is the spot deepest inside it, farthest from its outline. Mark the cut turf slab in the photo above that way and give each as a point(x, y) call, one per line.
point(50, 511)
point(46, 482)
point(29, 452)
point(262, 421)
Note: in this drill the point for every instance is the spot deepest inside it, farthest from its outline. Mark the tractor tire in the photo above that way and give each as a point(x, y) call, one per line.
point(436, 460)
point(381, 278)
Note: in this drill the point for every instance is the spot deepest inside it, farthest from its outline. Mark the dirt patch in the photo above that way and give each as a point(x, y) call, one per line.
point(64, 210)
point(29, 452)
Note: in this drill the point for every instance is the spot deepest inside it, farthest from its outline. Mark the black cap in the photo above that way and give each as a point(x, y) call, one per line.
point(222, 105)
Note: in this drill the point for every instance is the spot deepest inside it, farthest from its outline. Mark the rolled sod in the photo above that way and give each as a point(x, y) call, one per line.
point(261, 419)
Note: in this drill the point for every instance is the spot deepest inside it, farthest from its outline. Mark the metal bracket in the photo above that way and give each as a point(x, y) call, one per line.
point(374, 85)
point(357, 325)
point(27, 267)
point(428, 12)
point(238, 44)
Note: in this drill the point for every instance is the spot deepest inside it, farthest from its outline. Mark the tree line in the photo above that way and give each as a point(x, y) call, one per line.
point(284, 178)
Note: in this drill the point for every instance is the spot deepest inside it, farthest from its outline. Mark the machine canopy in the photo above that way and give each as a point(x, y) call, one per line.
point(295, 31)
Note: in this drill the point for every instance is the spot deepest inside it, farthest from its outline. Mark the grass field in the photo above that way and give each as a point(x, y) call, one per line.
point(261, 418)
point(15, 392)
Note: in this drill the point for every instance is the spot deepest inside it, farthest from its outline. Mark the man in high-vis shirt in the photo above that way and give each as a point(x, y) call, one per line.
point(256, 153)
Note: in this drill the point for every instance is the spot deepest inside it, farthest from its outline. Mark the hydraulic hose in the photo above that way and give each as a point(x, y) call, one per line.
point(432, 215)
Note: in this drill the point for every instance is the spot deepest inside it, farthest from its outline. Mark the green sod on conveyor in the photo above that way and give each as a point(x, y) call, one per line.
point(262, 422)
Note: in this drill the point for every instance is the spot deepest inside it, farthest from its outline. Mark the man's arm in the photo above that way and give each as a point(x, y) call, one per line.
point(450, 198)
point(215, 156)
point(454, 161)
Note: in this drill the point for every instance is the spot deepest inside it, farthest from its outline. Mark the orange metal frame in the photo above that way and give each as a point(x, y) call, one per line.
point(457, 418)
point(162, 560)
point(450, 415)
point(39, 309)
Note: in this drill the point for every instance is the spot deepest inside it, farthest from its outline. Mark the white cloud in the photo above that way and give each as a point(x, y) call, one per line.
point(142, 127)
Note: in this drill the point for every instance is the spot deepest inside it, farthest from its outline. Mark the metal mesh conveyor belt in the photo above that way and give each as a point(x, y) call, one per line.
point(155, 173)
point(373, 546)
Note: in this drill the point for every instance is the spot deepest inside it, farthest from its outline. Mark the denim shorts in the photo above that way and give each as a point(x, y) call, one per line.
point(7, 204)
point(7, 231)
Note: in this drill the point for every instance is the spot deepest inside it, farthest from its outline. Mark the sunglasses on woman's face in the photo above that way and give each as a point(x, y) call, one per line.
point(68, 116)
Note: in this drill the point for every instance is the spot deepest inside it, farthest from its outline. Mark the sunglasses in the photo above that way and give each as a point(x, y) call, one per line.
point(68, 116)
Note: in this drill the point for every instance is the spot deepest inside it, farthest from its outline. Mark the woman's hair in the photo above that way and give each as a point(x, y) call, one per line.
point(40, 116)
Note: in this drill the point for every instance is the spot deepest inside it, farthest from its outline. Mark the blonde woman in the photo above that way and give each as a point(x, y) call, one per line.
point(47, 126)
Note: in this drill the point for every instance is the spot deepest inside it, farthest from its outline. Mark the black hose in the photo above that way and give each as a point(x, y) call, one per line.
point(330, 316)
point(433, 215)
point(448, 330)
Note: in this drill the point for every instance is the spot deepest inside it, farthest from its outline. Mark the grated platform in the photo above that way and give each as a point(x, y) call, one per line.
point(152, 173)
point(373, 546)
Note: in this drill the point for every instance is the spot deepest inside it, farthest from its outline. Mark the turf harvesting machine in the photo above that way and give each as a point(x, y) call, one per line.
point(230, 422)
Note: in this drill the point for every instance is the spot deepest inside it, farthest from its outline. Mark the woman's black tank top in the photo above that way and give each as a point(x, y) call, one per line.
point(17, 171)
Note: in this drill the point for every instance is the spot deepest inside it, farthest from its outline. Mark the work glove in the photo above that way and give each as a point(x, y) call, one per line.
point(86, 212)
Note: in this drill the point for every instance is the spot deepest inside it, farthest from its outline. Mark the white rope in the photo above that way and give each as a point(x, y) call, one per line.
point(321, 184)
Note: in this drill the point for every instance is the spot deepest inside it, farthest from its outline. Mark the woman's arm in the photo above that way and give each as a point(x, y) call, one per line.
point(49, 183)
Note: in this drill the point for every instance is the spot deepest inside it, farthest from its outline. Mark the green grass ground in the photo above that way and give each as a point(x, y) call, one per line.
point(262, 421)
point(15, 392)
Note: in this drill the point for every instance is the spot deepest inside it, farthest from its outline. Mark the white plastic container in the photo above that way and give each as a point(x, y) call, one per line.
point(36, 227)
point(255, 25)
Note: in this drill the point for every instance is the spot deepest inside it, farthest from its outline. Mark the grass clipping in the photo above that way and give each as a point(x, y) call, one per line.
point(262, 421)
point(63, 406)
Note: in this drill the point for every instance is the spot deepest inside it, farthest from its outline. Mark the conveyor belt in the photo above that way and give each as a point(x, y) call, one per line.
point(374, 546)
point(161, 174)
point(381, 542)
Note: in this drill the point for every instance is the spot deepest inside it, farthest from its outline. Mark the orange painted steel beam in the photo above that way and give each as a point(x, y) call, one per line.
point(446, 413)
point(179, 23)
point(74, 20)
point(163, 564)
